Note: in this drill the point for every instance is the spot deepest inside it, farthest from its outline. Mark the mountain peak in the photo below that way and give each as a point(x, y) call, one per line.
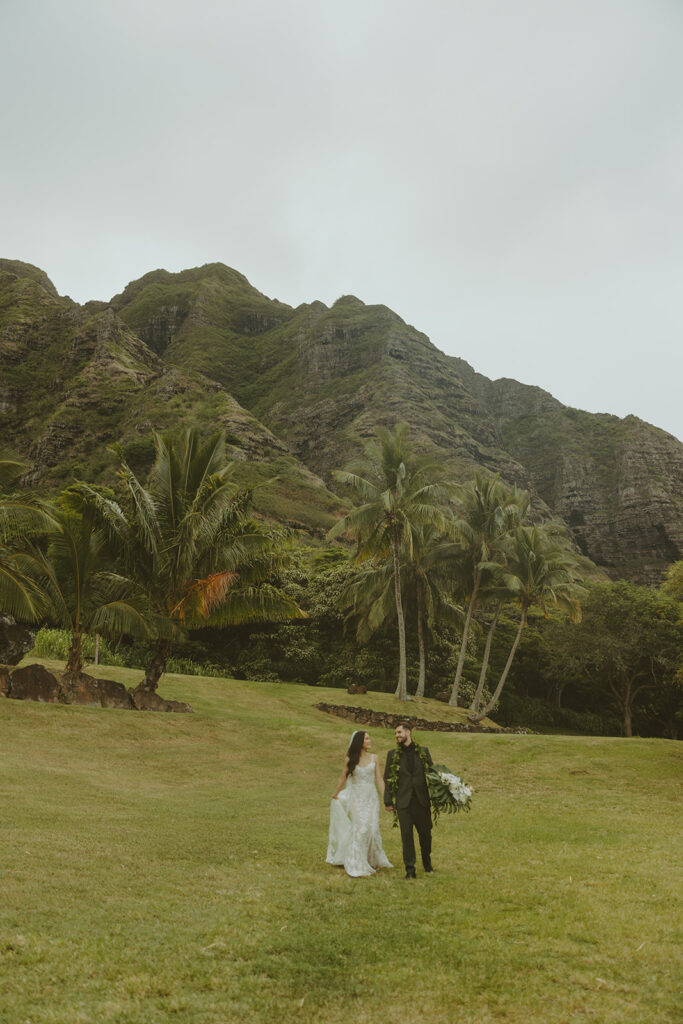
point(28, 271)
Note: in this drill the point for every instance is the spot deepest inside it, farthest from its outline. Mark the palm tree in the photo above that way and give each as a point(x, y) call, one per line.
point(428, 576)
point(82, 594)
point(21, 517)
point(189, 542)
point(493, 593)
point(425, 583)
point(488, 511)
point(540, 570)
point(400, 494)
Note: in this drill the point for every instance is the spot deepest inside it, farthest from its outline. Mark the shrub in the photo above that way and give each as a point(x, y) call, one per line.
point(55, 643)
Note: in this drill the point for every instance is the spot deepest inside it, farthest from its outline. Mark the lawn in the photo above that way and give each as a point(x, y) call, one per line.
point(162, 868)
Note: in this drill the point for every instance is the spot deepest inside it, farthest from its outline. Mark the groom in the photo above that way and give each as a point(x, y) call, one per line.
point(410, 797)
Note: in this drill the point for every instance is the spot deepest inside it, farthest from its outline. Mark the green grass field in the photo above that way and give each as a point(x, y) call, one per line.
point(162, 868)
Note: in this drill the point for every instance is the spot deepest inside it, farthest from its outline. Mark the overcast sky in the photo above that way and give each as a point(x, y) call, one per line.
point(505, 174)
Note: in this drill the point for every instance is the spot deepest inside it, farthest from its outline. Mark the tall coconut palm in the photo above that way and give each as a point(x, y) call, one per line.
point(540, 571)
point(189, 542)
point(425, 584)
point(400, 493)
point(487, 512)
point(494, 594)
point(21, 517)
point(428, 574)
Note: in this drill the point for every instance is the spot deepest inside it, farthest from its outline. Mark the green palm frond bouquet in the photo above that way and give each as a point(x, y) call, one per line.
point(447, 791)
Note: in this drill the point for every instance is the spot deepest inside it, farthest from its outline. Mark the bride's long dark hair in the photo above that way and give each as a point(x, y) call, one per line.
point(355, 750)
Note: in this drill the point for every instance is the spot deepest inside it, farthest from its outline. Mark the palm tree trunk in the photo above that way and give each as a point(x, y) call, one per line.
point(501, 682)
point(401, 689)
point(156, 666)
point(420, 692)
point(463, 647)
point(627, 708)
point(485, 662)
point(74, 660)
point(624, 701)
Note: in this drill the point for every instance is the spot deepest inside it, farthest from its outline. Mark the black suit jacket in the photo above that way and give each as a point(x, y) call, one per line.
point(409, 783)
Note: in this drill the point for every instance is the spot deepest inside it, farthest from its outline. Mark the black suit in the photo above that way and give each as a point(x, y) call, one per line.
point(412, 803)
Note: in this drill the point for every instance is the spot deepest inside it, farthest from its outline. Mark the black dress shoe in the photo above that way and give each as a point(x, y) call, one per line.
point(410, 873)
point(429, 870)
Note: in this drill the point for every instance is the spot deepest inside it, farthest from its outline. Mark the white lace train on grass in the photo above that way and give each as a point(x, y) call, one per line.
point(354, 839)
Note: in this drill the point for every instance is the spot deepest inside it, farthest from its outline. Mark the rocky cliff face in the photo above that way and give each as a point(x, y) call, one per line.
point(299, 389)
point(74, 380)
point(617, 483)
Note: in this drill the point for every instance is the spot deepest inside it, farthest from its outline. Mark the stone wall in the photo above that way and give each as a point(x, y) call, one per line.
point(384, 720)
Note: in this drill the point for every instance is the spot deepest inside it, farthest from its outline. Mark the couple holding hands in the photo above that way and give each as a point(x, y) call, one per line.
point(354, 837)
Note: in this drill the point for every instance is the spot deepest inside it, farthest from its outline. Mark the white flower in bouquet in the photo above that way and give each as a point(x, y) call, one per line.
point(461, 792)
point(447, 791)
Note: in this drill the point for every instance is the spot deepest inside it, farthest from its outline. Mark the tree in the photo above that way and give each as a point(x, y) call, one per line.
point(428, 574)
point(401, 493)
point(190, 543)
point(632, 637)
point(21, 517)
point(673, 584)
point(495, 594)
point(487, 512)
point(540, 570)
point(82, 593)
point(425, 585)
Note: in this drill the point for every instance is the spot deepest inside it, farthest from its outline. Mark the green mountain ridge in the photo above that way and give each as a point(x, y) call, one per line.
point(75, 379)
point(298, 389)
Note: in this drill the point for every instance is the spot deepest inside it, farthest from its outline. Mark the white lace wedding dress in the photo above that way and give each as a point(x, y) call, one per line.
point(354, 838)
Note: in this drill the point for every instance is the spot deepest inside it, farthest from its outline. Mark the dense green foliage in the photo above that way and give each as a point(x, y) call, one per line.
point(177, 571)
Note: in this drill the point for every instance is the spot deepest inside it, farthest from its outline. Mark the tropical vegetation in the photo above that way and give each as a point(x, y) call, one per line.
point(424, 588)
point(400, 494)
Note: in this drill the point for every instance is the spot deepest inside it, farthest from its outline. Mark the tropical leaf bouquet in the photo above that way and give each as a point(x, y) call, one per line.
point(447, 791)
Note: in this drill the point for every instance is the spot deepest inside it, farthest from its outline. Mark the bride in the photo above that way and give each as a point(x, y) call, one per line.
point(354, 838)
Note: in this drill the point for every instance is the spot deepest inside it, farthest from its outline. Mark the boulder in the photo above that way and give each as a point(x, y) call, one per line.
point(99, 693)
point(15, 640)
point(149, 700)
point(34, 682)
point(4, 680)
point(79, 688)
point(113, 694)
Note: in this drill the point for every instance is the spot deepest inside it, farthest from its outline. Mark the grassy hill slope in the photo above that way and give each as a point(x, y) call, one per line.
point(170, 867)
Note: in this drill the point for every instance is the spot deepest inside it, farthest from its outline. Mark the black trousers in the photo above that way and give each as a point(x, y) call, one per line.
point(419, 817)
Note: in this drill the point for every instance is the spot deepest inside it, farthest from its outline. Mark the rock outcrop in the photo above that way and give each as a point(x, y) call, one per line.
point(35, 682)
point(86, 689)
point(146, 700)
point(15, 640)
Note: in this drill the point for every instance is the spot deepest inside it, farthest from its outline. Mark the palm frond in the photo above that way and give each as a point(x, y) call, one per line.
point(264, 603)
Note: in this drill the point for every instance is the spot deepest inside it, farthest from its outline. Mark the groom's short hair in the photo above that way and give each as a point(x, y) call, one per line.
point(405, 725)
